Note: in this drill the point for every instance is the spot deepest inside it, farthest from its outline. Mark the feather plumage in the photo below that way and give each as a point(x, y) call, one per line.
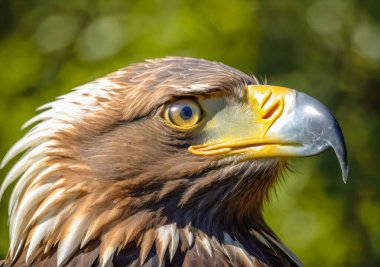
point(97, 184)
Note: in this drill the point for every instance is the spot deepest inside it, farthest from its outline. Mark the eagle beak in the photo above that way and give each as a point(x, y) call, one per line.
point(287, 123)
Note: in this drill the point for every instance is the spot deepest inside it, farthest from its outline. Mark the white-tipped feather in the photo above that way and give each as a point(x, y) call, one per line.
point(60, 218)
point(162, 241)
point(40, 117)
point(14, 173)
point(49, 116)
point(26, 177)
point(43, 208)
point(21, 145)
point(107, 255)
point(49, 127)
point(45, 106)
point(50, 172)
point(87, 237)
point(19, 219)
point(25, 162)
point(174, 239)
point(71, 241)
point(34, 137)
point(40, 233)
point(16, 252)
point(207, 245)
point(190, 237)
point(16, 222)
point(31, 199)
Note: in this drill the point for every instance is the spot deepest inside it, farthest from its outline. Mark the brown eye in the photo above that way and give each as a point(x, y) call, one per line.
point(183, 113)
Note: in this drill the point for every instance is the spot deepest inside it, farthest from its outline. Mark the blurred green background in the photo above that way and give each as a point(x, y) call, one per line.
point(328, 49)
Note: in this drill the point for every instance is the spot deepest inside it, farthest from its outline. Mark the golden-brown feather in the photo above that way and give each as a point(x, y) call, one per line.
point(104, 181)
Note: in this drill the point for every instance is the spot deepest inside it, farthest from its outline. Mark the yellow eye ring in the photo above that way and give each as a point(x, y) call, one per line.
point(184, 113)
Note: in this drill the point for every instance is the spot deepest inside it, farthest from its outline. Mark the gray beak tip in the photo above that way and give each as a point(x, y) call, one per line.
point(338, 144)
point(345, 171)
point(345, 174)
point(321, 130)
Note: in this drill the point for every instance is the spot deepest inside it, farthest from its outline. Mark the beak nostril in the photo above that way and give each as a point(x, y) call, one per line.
point(265, 98)
point(270, 111)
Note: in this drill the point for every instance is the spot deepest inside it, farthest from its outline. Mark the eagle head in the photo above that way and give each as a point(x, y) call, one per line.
point(162, 163)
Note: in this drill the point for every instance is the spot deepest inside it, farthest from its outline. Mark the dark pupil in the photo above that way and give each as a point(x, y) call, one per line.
point(186, 113)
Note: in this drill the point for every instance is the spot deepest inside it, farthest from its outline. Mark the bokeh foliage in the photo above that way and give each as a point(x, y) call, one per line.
point(327, 48)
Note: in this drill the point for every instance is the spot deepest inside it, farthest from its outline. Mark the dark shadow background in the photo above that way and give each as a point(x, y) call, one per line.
point(328, 49)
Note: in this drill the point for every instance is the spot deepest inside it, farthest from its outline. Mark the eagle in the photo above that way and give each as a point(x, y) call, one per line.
point(166, 162)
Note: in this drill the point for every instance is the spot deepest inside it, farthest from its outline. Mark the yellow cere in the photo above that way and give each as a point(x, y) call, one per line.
point(267, 104)
point(184, 113)
point(263, 106)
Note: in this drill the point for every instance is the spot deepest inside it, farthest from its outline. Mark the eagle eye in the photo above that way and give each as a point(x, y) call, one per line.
point(183, 113)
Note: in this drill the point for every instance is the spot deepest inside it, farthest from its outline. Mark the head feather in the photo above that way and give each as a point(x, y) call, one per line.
point(62, 206)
